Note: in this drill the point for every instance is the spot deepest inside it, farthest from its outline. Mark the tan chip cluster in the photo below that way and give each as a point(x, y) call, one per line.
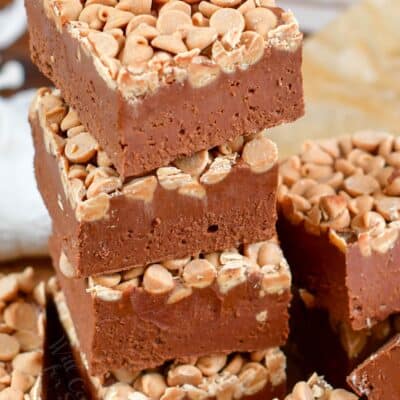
point(140, 45)
point(348, 187)
point(90, 179)
point(22, 325)
point(178, 278)
point(317, 389)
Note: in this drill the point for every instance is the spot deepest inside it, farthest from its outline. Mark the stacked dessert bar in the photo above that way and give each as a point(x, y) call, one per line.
point(161, 185)
point(339, 208)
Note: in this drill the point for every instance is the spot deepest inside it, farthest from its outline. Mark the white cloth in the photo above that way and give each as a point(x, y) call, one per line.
point(24, 222)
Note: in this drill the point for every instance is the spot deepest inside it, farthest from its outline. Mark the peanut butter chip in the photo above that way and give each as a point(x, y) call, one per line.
point(200, 38)
point(28, 340)
point(218, 170)
point(177, 5)
point(8, 288)
point(81, 148)
point(184, 374)
point(261, 20)
point(172, 43)
point(9, 347)
point(153, 385)
point(227, 19)
point(254, 45)
point(93, 209)
point(202, 71)
point(261, 154)
point(29, 362)
point(21, 316)
point(104, 44)
point(253, 377)
point(358, 185)
point(199, 273)
point(136, 50)
point(11, 394)
point(157, 280)
point(141, 188)
point(211, 365)
point(368, 140)
point(269, 254)
point(194, 165)
point(171, 21)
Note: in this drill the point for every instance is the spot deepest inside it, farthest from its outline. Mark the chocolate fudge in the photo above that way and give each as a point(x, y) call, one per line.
point(214, 200)
point(156, 83)
point(316, 388)
point(23, 302)
point(333, 348)
point(252, 376)
point(339, 216)
point(377, 378)
point(216, 303)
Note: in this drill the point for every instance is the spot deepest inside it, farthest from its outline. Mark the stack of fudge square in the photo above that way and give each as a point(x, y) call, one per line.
point(161, 184)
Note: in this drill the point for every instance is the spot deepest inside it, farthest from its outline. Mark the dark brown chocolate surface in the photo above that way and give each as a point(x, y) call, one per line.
point(141, 331)
point(360, 290)
point(178, 120)
point(240, 209)
point(377, 378)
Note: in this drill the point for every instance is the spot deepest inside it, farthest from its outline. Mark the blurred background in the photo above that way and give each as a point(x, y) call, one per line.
point(351, 79)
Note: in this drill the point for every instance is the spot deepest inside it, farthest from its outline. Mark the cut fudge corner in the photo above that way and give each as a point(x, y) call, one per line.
point(246, 78)
point(338, 224)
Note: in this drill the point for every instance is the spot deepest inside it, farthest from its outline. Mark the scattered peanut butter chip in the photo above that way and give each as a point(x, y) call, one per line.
point(195, 164)
point(226, 19)
point(11, 393)
point(254, 45)
point(157, 280)
point(9, 347)
point(29, 362)
point(93, 209)
point(218, 170)
point(81, 148)
point(109, 280)
point(199, 273)
point(260, 20)
point(211, 365)
point(153, 385)
point(136, 50)
point(170, 21)
point(172, 43)
point(200, 37)
point(141, 188)
point(184, 374)
point(66, 267)
point(21, 316)
point(8, 288)
point(261, 154)
point(177, 5)
point(358, 185)
point(253, 378)
point(28, 340)
point(104, 44)
point(202, 71)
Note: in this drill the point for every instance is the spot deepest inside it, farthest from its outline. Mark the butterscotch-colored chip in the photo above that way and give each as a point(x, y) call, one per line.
point(90, 15)
point(253, 378)
point(199, 273)
point(211, 365)
point(29, 362)
point(81, 148)
point(136, 50)
point(8, 287)
point(226, 19)
point(21, 316)
point(104, 44)
point(93, 209)
point(261, 154)
point(153, 385)
point(135, 6)
point(177, 5)
point(9, 347)
point(172, 43)
point(184, 374)
point(207, 8)
point(114, 18)
point(195, 164)
point(157, 280)
point(260, 20)
point(358, 185)
point(172, 20)
point(200, 37)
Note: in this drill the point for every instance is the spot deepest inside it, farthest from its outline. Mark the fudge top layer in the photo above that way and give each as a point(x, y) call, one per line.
point(141, 45)
point(243, 374)
point(317, 389)
point(348, 187)
point(178, 278)
point(90, 180)
point(22, 303)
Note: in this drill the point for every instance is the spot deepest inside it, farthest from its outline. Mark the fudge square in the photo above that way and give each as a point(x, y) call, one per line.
point(211, 201)
point(377, 378)
point(259, 375)
point(154, 83)
point(339, 216)
point(218, 303)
